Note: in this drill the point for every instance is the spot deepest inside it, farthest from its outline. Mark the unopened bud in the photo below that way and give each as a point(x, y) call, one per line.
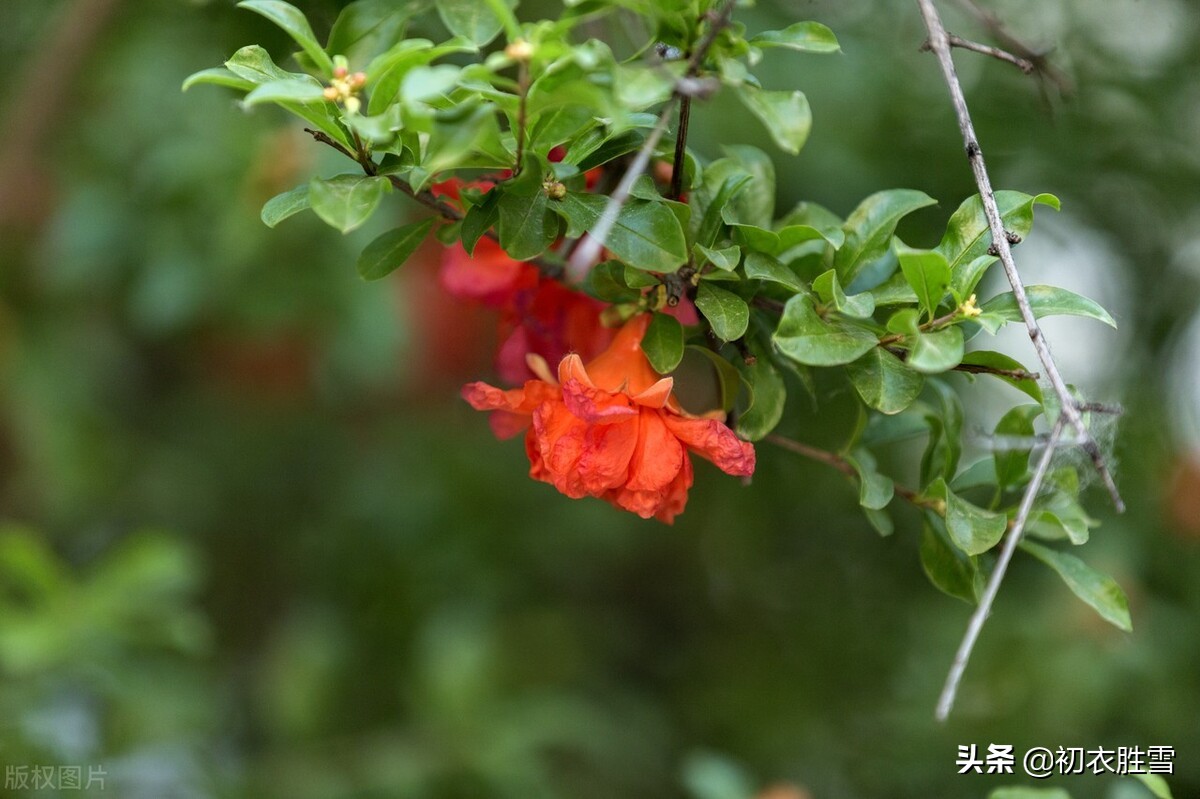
point(358, 80)
point(519, 50)
point(969, 308)
point(330, 93)
point(554, 190)
point(340, 71)
point(353, 104)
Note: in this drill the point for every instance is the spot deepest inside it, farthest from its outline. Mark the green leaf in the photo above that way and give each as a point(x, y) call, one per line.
point(218, 76)
point(968, 236)
point(281, 206)
point(728, 378)
point(526, 225)
point(805, 337)
point(928, 274)
point(869, 229)
point(971, 528)
point(950, 571)
point(936, 352)
point(252, 63)
point(804, 37)
point(1098, 590)
point(387, 252)
point(1012, 459)
point(764, 267)
point(769, 395)
point(1047, 301)
point(884, 382)
point(785, 115)
point(754, 206)
point(647, 235)
point(829, 290)
point(996, 360)
point(1157, 785)
point(663, 343)
point(945, 434)
point(725, 311)
point(304, 91)
point(294, 24)
point(708, 223)
point(725, 259)
point(472, 19)
point(346, 201)
point(606, 282)
point(366, 28)
point(1029, 793)
point(875, 490)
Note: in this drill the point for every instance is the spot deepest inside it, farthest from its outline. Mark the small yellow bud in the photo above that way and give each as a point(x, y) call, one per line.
point(554, 190)
point(519, 50)
point(331, 93)
point(969, 308)
point(353, 104)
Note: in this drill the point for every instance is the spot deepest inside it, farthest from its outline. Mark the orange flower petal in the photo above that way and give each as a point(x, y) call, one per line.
point(595, 406)
point(716, 442)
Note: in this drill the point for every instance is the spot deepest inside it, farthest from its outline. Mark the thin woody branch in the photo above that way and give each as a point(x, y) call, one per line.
point(1023, 64)
point(1069, 414)
point(841, 464)
point(586, 253)
point(428, 199)
point(1015, 530)
point(1039, 59)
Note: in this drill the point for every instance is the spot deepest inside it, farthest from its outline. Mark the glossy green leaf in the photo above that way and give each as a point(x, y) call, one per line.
point(1014, 441)
point(281, 206)
point(725, 311)
point(366, 28)
point(936, 352)
point(389, 251)
point(807, 338)
point(294, 24)
point(303, 91)
point(971, 528)
point(884, 382)
point(894, 291)
point(1047, 301)
point(754, 204)
point(763, 267)
point(254, 64)
point(526, 225)
point(804, 37)
point(996, 360)
point(950, 571)
point(725, 259)
point(875, 490)
point(869, 229)
point(346, 201)
point(1098, 590)
point(663, 343)
point(472, 19)
point(968, 236)
point(769, 394)
point(829, 290)
point(218, 76)
point(945, 422)
point(606, 282)
point(785, 115)
point(928, 274)
point(479, 219)
point(647, 235)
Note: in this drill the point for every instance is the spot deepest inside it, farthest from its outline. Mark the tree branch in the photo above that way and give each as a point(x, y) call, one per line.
point(841, 464)
point(584, 255)
point(975, 626)
point(685, 113)
point(939, 43)
point(1039, 59)
point(1023, 64)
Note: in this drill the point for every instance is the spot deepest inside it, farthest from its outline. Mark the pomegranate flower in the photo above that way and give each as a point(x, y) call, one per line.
point(612, 429)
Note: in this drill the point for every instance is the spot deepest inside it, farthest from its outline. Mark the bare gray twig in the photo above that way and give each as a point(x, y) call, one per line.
point(939, 43)
point(975, 626)
point(1023, 64)
point(587, 252)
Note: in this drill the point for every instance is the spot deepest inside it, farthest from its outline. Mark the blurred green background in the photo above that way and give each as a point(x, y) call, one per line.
point(254, 545)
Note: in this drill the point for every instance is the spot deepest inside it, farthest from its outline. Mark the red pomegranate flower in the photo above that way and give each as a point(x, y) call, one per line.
point(611, 429)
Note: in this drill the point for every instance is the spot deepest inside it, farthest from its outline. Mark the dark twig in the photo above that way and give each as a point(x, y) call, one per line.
point(685, 113)
point(1023, 64)
point(1015, 530)
point(1039, 59)
point(586, 253)
point(841, 464)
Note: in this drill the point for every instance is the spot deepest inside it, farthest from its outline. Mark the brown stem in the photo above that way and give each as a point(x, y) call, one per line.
point(1023, 64)
point(685, 113)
